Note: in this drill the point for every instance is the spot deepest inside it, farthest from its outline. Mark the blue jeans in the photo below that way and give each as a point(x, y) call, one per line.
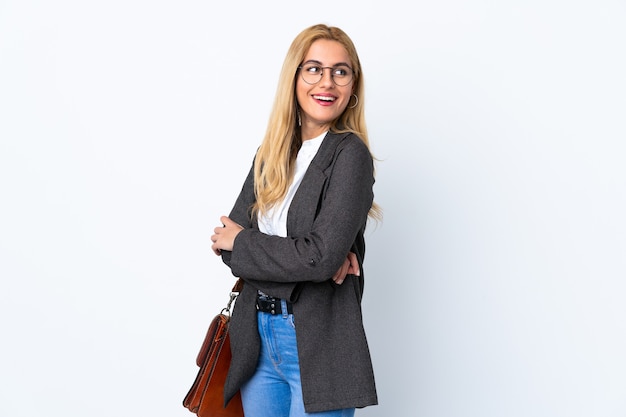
point(275, 390)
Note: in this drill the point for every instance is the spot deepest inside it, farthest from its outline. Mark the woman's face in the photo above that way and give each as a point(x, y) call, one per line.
point(324, 101)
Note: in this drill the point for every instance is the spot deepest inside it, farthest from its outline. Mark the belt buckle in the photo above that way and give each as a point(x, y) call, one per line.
point(267, 305)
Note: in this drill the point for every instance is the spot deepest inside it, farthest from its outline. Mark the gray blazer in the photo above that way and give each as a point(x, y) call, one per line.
point(326, 220)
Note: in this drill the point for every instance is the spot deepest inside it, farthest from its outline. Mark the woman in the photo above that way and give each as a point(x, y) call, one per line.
point(295, 236)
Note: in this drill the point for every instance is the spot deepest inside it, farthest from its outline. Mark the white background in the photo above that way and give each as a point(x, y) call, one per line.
point(495, 284)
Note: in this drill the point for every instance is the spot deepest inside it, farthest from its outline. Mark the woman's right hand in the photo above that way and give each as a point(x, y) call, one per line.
point(350, 267)
point(224, 237)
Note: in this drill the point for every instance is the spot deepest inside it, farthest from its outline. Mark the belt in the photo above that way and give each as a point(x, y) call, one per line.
point(272, 305)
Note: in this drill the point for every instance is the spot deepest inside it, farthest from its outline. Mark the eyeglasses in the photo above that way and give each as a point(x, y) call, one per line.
point(313, 73)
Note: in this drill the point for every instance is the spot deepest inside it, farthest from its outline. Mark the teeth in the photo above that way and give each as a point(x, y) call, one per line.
point(324, 98)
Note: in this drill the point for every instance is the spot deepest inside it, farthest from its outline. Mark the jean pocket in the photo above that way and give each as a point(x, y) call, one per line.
point(292, 321)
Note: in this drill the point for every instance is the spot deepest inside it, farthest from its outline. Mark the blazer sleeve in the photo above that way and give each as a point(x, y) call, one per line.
point(343, 202)
point(241, 213)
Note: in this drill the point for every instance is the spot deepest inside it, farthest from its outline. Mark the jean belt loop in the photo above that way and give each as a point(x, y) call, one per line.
point(283, 307)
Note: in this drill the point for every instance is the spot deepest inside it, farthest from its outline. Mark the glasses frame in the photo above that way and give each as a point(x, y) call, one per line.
point(332, 75)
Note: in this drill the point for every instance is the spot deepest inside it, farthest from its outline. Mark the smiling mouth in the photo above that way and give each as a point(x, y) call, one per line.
point(325, 98)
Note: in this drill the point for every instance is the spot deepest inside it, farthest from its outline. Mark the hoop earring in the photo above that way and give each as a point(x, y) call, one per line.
point(356, 102)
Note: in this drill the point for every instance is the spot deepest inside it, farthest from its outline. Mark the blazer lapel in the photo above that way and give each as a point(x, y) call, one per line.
point(308, 196)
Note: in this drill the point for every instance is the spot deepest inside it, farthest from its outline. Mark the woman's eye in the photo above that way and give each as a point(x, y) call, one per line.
point(313, 69)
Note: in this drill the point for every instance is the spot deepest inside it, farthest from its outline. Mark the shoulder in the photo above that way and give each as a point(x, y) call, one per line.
point(343, 149)
point(350, 157)
point(351, 144)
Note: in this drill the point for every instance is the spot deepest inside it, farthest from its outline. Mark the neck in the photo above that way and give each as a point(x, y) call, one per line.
point(311, 131)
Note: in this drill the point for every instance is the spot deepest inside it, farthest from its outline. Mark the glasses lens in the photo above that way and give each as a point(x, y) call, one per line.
point(311, 74)
point(342, 75)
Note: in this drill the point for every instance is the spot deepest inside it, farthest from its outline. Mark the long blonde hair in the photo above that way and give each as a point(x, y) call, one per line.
point(275, 159)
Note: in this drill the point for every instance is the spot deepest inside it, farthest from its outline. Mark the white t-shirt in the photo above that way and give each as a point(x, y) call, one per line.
point(275, 221)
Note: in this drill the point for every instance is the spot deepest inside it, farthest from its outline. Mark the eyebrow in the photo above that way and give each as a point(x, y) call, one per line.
point(314, 61)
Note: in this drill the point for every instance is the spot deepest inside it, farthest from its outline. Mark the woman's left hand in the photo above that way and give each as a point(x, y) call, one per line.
point(224, 237)
point(350, 266)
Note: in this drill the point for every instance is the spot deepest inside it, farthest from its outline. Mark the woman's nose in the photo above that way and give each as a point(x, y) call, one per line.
point(327, 77)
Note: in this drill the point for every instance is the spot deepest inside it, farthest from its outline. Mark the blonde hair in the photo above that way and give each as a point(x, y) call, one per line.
point(275, 159)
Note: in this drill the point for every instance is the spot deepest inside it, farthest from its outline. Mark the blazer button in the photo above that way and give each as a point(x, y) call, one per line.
point(311, 261)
